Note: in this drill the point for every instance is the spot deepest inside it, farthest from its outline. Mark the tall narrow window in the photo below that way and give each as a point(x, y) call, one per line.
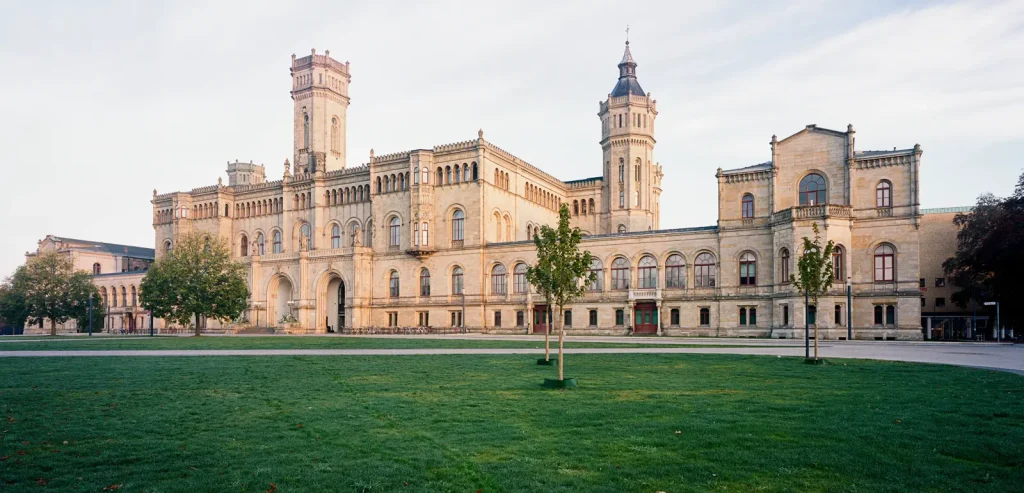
point(597, 268)
point(704, 271)
point(878, 314)
point(424, 282)
point(592, 318)
point(458, 225)
point(305, 130)
point(396, 232)
point(95, 269)
point(335, 236)
point(743, 316)
point(335, 135)
point(135, 298)
point(620, 273)
point(748, 206)
point(519, 284)
point(748, 269)
point(837, 264)
point(812, 190)
point(675, 268)
point(244, 246)
point(890, 315)
point(784, 265)
point(883, 194)
point(499, 284)
point(622, 199)
point(838, 319)
point(416, 234)
point(307, 233)
point(753, 316)
point(393, 284)
point(425, 234)
point(785, 315)
point(426, 176)
point(622, 171)
point(636, 198)
point(277, 242)
point(647, 273)
point(259, 244)
point(885, 263)
point(705, 316)
point(457, 280)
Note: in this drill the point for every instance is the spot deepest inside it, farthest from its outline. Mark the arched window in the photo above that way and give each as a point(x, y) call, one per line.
point(368, 234)
point(401, 181)
point(883, 194)
point(457, 280)
point(448, 175)
point(426, 176)
point(305, 130)
point(748, 269)
point(440, 176)
point(465, 172)
point(113, 297)
point(519, 284)
point(622, 228)
point(135, 296)
point(387, 183)
point(277, 242)
point(259, 244)
point(576, 207)
point(592, 209)
point(812, 190)
point(379, 188)
point(837, 264)
point(597, 268)
point(499, 284)
point(622, 170)
point(124, 296)
point(424, 282)
point(458, 225)
point(748, 206)
point(244, 246)
point(704, 271)
point(335, 236)
point(675, 271)
point(784, 265)
point(335, 135)
point(476, 173)
point(647, 273)
point(393, 284)
point(885, 263)
point(890, 315)
point(307, 232)
point(95, 269)
point(622, 199)
point(103, 295)
point(396, 232)
point(620, 273)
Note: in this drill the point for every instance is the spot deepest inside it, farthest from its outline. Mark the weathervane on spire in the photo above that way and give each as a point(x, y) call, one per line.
point(627, 33)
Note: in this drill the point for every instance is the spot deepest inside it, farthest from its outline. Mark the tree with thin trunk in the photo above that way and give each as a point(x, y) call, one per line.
point(197, 278)
point(53, 290)
point(14, 310)
point(816, 273)
point(561, 274)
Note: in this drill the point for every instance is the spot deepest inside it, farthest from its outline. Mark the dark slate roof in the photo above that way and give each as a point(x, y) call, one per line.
point(584, 179)
point(113, 248)
point(867, 154)
point(627, 85)
point(755, 167)
point(697, 229)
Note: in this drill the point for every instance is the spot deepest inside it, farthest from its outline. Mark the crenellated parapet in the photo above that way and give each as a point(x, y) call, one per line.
point(457, 146)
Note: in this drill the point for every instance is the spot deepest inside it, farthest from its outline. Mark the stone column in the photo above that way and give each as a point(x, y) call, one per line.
point(661, 319)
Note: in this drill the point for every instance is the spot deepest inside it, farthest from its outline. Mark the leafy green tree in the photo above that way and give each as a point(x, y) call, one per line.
point(13, 307)
point(561, 274)
point(197, 278)
point(50, 289)
point(98, 313)
point(987, 264)
point(815, 270)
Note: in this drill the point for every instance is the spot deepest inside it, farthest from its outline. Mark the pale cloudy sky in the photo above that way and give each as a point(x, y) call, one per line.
point(101, 102)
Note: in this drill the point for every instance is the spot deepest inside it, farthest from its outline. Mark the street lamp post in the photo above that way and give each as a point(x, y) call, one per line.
point(90, 314)
point(999, 330)
point(849, 309)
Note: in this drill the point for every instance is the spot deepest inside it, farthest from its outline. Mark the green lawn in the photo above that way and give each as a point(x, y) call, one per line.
point(286, 342)
point(482, 423)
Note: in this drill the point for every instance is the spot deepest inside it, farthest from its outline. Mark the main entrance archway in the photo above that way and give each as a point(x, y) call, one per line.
point(279, 293)
point(334, 311)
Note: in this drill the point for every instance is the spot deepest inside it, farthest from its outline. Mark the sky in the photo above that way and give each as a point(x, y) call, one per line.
point(103, 102)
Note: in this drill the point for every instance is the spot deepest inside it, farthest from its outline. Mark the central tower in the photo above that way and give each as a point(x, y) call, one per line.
point(632, 182)
point(320, 92)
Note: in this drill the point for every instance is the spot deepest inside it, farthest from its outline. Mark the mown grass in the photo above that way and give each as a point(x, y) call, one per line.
point(294, 342)
point(482, 423)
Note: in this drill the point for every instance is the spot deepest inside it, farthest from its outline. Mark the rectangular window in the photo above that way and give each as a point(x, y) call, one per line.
point(497, 318)
point(456, 318)
point(838, 319)
point(753, 316)
point(878, 314)
point(890, 315)
point(424, 319)
point(812, 314)
point(940, 302)
point(940, 282)
point(743, 316)
point(921, 283)
point(674, 316)
point(568, 318)
point(705, 316)
point(392, 319)
point(785, 315)
point(923, 302)
point(620, 317)
point(520, 319)
point(592, 318)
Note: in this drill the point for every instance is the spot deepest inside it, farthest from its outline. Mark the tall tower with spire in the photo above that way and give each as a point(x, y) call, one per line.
point(320, 92)
point(632, 181)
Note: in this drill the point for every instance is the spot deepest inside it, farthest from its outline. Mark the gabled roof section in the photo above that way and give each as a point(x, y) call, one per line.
point(814, 128)
point(111, 248)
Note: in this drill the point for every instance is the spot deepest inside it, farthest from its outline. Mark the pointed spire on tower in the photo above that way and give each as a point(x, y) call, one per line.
point(627, 74)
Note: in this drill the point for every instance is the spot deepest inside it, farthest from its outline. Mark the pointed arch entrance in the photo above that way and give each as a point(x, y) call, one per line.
point(335, 316)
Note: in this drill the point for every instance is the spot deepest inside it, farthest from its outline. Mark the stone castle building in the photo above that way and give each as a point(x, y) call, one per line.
point(441, 236)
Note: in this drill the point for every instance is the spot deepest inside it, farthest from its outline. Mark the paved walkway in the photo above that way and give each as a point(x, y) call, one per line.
point(1005, 357)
